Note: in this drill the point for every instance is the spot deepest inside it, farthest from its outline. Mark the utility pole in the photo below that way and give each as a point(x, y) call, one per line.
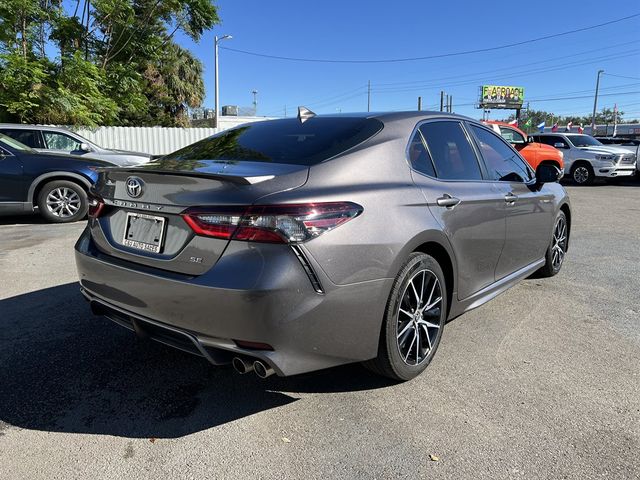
point(595, 104)
point(285, 111)
point(450, 103)
point(216, 41)
point(419, 104)
point(255, 101)
point(442, 100)
point(369, 96)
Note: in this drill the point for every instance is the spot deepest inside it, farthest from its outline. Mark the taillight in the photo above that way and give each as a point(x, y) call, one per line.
point(96, 205)
point(271, 223)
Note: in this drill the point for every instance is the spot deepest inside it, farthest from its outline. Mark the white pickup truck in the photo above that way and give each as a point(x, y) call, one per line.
point(585, 158)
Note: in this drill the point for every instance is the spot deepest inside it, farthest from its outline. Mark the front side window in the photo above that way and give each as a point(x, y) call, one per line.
point(511, 135)
point(452, 155)
point(419, 157)
point(60, 141)
point(503, 164)
point(550, 140)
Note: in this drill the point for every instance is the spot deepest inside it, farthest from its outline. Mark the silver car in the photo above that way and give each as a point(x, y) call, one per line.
point(51, 139)
point(294, 245)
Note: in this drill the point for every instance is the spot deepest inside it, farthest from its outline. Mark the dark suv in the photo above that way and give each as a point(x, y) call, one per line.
point(55, 183)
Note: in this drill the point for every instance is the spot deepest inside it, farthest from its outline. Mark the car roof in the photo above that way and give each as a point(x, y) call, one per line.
point(24, 126)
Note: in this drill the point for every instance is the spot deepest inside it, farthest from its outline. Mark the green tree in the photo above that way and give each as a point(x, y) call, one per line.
point(114, 63)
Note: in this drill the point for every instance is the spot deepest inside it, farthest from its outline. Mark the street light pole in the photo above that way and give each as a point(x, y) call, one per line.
point(216, 41)
point(595, 104)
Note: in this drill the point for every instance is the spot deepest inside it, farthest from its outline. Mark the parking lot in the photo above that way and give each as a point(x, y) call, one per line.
point(542, 382)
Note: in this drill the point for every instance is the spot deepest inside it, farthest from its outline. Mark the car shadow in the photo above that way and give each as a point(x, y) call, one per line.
point(64, 370)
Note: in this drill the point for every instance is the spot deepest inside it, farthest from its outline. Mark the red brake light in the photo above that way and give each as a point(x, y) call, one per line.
point(271, 223)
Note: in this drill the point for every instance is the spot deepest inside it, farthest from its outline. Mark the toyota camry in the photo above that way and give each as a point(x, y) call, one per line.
point(292, 245)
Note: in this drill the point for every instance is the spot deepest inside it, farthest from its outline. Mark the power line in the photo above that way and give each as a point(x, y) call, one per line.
point(620, 76)
point(442, 55)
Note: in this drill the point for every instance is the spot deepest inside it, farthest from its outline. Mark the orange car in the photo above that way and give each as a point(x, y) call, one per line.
point(534, 153)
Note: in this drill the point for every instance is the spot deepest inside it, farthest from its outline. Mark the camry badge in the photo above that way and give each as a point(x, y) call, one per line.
point(135, 187)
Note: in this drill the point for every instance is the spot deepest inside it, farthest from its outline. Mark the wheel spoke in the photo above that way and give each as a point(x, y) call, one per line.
point(415, 292)
point(428, 324)
point(431, 305)
point(426, 331)
point(410, 346)
point(417, 346)
point(407, 327)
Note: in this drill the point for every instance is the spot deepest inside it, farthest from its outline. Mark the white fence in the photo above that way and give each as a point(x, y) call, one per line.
point(156, 140)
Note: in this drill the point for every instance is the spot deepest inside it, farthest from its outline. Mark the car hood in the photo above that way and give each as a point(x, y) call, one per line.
point(128, 152)
point(64, 156)
point(605, 149)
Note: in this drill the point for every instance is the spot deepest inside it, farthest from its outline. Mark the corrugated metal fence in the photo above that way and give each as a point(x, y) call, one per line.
point(156, 140)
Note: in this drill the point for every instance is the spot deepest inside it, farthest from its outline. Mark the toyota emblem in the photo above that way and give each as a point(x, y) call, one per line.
point(135, 186)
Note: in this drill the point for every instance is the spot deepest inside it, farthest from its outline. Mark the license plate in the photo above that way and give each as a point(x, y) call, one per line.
point(144, 232)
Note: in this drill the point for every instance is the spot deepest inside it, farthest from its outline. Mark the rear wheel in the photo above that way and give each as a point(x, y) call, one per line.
point(62, 201)
point(582, 173)
point(414, 319)
point(557, 248)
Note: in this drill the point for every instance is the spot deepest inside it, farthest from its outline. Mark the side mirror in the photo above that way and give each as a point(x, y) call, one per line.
point(85, 147)
point(559, 145)
point(547, 174)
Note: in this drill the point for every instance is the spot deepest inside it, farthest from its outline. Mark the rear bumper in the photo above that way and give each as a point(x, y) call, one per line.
point(255, 292)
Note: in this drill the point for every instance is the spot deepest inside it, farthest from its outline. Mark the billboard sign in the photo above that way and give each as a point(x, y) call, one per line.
point(500, 96)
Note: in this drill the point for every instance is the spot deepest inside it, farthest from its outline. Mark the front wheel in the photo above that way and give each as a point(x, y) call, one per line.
point(557, 248)
point(62, 201)
point(582, 174)
point(414, 319)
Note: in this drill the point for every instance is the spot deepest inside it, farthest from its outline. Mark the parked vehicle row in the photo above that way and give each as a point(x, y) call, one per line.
point(292, 245)
point(586, 158)
point(51, 139)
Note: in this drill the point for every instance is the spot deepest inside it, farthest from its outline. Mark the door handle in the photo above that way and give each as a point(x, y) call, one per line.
point(448, 201)
point(510, 198)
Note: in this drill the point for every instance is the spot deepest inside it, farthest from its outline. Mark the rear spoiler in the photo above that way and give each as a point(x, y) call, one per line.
point(237, 179)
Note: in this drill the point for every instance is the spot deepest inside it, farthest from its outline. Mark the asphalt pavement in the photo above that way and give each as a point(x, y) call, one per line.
point(542, 382)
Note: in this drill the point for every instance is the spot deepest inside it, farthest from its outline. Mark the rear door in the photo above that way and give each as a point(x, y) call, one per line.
point(529, 211)
point(469, 208)
point(12, 182)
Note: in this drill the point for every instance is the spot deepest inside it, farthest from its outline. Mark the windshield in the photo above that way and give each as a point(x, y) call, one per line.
point(283, 141)
point(16, 145)
point(583, 141)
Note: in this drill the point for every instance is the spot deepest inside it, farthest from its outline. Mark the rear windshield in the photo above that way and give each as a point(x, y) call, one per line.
point(283, 141)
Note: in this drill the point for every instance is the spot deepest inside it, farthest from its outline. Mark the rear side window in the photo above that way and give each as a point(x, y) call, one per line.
point(550, 140)
point(283, 141)
point(30, 138)
point(419, 157)
point(452, 155)
point(503, 164)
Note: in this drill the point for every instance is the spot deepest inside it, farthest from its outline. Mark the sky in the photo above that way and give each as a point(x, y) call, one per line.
point(558, 68)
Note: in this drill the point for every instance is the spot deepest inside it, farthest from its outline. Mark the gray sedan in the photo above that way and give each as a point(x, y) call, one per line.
point(51, 139)
point(293, 245)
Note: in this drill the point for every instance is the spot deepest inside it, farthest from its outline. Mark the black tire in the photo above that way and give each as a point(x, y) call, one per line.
point(391, 361)
point(552, 266)
point(62, 201)
point(582, 173)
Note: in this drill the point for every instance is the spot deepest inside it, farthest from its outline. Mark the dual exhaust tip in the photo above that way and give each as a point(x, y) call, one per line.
point(244, 365)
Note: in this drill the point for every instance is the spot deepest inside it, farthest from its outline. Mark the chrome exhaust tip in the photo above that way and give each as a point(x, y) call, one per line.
point(262, 370)
point(241, 365)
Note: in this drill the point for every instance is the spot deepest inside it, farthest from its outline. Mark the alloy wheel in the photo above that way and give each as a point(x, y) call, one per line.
point(559, 243)
point(419, 317)
point(581, 174)
point(63, 202)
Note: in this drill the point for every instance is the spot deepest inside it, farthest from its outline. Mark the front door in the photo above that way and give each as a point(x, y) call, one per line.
point(12, 183)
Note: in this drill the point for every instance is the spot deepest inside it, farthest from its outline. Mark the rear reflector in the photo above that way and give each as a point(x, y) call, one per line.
point(96, 205)
point(271, 223)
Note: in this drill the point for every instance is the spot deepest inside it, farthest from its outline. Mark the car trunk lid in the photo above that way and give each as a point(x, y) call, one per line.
point(141, 221)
